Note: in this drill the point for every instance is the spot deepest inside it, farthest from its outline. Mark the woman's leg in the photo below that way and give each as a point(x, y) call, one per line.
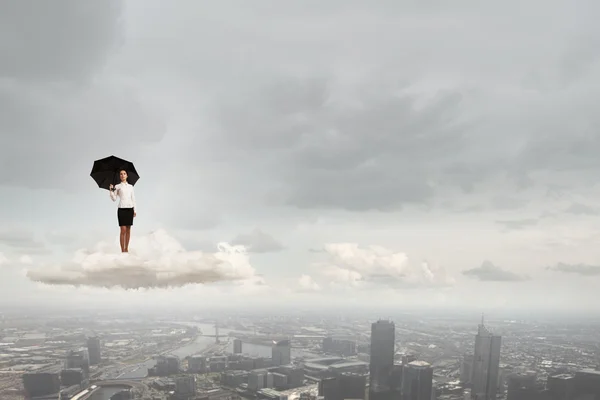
point(127, 236)
point(122, 237)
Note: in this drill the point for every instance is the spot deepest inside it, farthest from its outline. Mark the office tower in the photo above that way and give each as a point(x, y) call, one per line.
point(343, 386)
point(587, 382)
point(486, 364)
point(329, 388)
point(560, 387)
point(41, 384)
point(70, 377)
point(521, 386)
point(237, 346)
point(417, 381)
point(281, 352)
point(396, 380)
point(93, 346)
point(78, 359)
point(466, 369)
point(185, 386)
point(383, 337)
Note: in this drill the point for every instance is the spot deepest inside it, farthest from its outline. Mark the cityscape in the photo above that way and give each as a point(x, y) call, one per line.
point(410, 357)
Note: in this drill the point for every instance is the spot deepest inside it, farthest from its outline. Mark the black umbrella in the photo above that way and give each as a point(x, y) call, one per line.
point(106, 171)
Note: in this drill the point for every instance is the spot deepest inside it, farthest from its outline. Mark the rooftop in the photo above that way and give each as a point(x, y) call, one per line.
point(419, 364)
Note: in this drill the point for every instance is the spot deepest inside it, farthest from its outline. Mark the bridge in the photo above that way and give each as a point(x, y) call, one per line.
point(124, 383)
point(216, 335)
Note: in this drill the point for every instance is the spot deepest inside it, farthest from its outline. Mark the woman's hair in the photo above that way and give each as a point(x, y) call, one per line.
point(123, 170)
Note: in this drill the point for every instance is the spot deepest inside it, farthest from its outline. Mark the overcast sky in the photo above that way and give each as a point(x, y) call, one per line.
point(418, 153)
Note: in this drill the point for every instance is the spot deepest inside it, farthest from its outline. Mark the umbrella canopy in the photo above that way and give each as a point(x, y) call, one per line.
point(106, 171)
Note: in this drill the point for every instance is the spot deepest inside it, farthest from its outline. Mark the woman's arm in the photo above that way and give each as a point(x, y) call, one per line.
point(113, 193)
point(133, 200)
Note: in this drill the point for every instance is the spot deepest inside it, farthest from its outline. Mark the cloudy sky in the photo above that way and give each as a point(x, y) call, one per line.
point(417, 153)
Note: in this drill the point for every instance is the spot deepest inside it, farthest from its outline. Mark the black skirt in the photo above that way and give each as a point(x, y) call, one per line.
point(125, 216)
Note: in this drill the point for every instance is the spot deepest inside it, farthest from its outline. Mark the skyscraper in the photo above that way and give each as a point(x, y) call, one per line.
point(417, 381)
point(281, 352)
point(93, 345)
point(486, 364)
point(237, 346)
point(383, 337)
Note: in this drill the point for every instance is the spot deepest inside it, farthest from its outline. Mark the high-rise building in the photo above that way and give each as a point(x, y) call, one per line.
point(185, 386)
point(281, 352)
point(237, 346)
point(560, 387)
point(521, 386)
point(93, 346)
point(41, 383)
point(78, 359)
point(466, 369)
point(417, 381)
point(486, 364)
point(383, 337)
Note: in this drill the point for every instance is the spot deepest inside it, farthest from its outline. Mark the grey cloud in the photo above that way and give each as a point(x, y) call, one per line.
point(258, 241)
point(581, 209)
point(380, 155)
point(375, 136)
point(22, 241)
point(57, 110)
point(132, 277)
point(489, 272)
point(508, 203)
point(56, 40)
point(578, 269)
point(518, 224)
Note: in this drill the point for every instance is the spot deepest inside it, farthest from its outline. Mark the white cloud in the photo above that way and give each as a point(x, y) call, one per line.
point(307, 284)
point(25, 259)
point(156, 260)
point(355, 266)
point(3, 259)
point(258, 241)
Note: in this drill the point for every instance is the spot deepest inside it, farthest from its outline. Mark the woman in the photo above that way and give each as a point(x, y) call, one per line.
point(126, 211)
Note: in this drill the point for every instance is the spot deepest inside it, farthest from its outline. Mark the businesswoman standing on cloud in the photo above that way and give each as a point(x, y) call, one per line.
point(127, 207)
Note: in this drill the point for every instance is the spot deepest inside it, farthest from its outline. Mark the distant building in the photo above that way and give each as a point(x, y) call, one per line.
point(281, 353)
point(486, 364)
point(339, 346)
point(280, 381)
point(70, 377)
point(185, 386)
point(237, 346)
point(396, 380)
point(295, 375)
point(197, 364)
point(587, 382)
point(166, 365)
point(257, 380)
point(417, 381)
point(383, 337)
point(560, 387)
point(93, 346)
point(522, 386)
point(78, 359)
point(41, 384)
point(466, 369)
point(234, 378)
point(343, 386)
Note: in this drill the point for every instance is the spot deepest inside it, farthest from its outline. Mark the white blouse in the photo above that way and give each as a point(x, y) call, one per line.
point(126, 195)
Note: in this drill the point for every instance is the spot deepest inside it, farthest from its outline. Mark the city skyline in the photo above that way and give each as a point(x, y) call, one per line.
point(432, 156)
